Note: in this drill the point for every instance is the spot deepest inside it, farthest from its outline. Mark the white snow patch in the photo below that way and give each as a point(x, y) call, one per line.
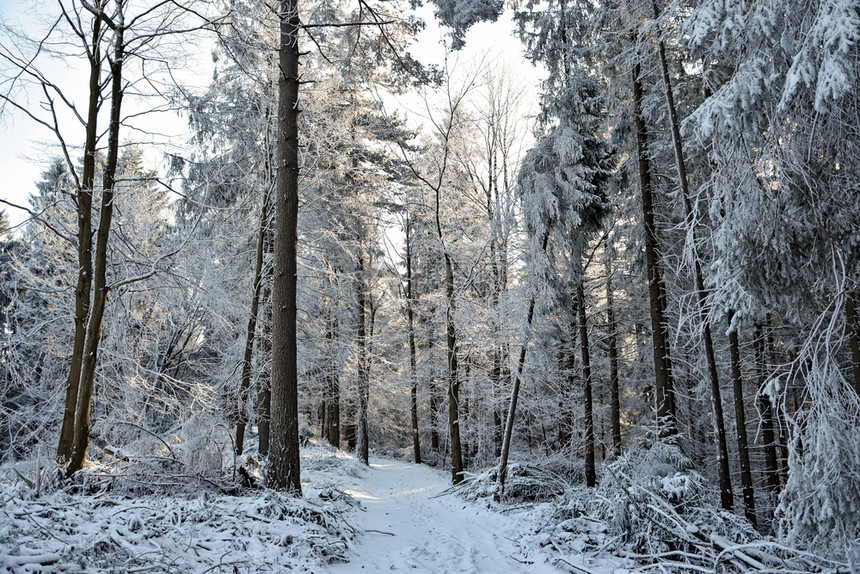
point(407, 522)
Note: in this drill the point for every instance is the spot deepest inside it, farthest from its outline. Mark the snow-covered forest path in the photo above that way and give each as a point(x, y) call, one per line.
point(404, 525)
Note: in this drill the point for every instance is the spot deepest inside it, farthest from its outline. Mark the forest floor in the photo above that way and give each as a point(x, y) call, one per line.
point(406, 521)
point(391, 516)
point(164, 513)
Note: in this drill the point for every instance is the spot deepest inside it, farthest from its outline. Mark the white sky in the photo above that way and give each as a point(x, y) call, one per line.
point(26, 148)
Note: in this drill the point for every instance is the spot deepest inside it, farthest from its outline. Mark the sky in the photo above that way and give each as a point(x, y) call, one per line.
point(20, 153)
point(26, 148)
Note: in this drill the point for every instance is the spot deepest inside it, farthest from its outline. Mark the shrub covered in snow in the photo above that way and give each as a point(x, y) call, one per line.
point(650, 510)
point(169, 515)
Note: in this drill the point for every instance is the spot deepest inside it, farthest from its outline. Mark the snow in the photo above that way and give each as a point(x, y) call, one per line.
point(391, 516)
point(259, 532)
point(409, 523)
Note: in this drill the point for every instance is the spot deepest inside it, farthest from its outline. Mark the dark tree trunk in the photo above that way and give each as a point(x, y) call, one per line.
point(84, 197)
point(464, 415)
point(664, 391)
point(567, 425)
point(413, 353)
point(362, 446)
point(332, 381)
point(779, 408)
point(435, 403)
point(741, 424)
point(512, 409)
point(853, 336)
point(496, 387)
point(768, 418)
point(245, 385)
point(515, 391)
point(590, 471)
point(453, 380)
point(285, 472)
point(614, 395)
point(726, 497)
point(264, 383)
point(100, 292)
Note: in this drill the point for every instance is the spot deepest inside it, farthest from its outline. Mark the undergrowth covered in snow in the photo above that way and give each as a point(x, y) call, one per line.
point(651, 512)
point(109, 521)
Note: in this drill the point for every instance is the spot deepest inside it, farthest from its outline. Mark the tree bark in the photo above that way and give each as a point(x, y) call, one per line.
point(741, 424)
point(664, 391)
point(285, 472)
point(245, 385)
point(590, 471)
point(84, 197)
point(768, 418)
point(515, 391)
point(726, 497)
point(332, 415)
point(264, 383)
point(453, 381)
point(413, 354)
point(94, 326)
point(614, 400)
point(853, 337)
point(362, 446)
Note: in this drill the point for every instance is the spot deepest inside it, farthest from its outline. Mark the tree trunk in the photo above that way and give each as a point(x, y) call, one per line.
point(782, 416)
point(567, 424)
point(332, 416)
point(413, 354)
point(741, 424)
point(726, 497)
point(451, 337)
point(464, 415)
point(285, 472)
point(768, 418)
point(614, 400)
point(853, 336)
point(245, 385)
point(434, 403)
point(94, 327)
point(453, 381)
point(362, 447)
point(84, 197)
point(590, 471)
point(496, 387)
point(264, 383)
point(515, 391)
point(664, 391)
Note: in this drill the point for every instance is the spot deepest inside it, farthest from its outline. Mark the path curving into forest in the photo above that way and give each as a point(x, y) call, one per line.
point(405, 525)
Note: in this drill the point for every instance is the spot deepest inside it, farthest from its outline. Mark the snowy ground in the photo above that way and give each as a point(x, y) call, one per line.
point(407, 524)
point(393, 516)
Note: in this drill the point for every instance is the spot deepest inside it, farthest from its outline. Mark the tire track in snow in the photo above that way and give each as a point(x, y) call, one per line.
point(404, 525)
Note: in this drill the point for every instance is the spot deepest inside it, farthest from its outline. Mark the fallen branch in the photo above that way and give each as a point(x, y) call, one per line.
point(562, 559)
point(26, 480)
point(41, 559)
